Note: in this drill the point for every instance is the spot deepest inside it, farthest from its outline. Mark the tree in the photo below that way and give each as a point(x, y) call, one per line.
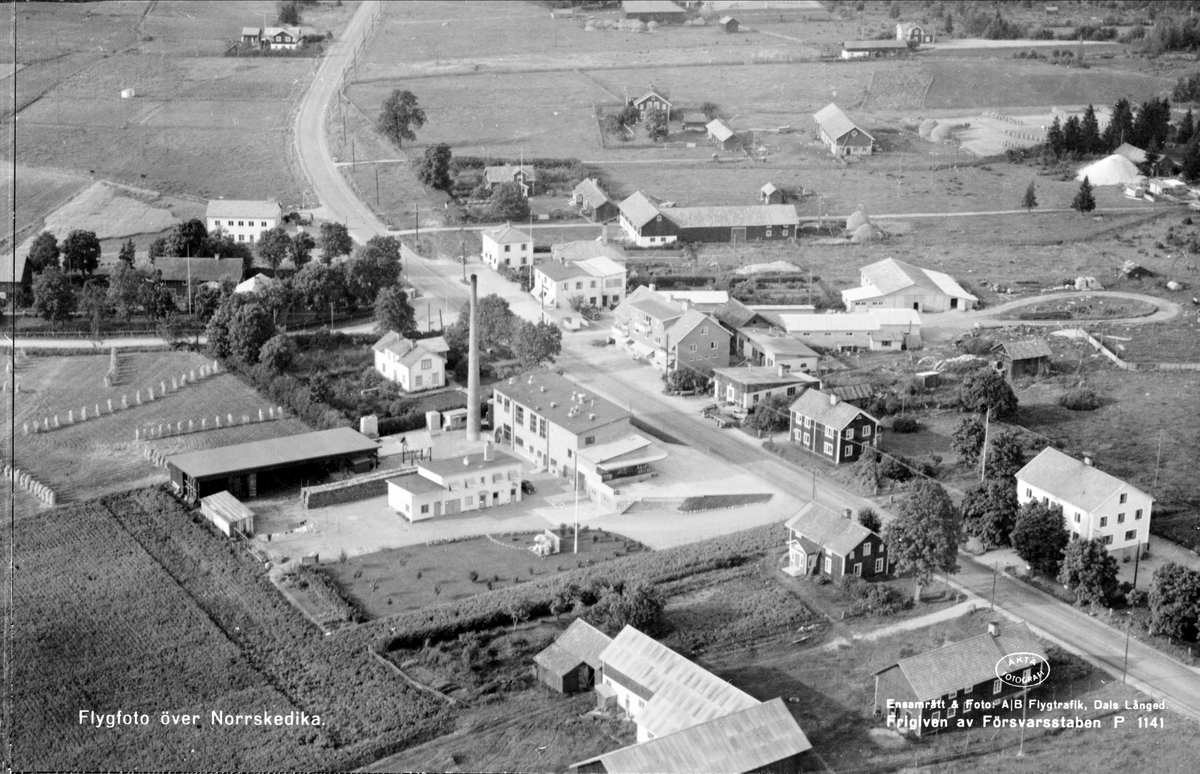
point(770, 415)
point(250, 327)
point(157, 300)
point(128, 253)
point(1084, 202)
point(188, 239)
point(948, 27)
point(535, 343)
point(1072, 135)
point(1186, 129)
point(205, 301)
point(967, 441)
point(869, 518)
point(289, 13)
point(375, 267)
point(53, 298)
point(989, 512)
point(274, 247)
point(1055, 140)
point(655, 122)
point(222, 245)
point(1039, 536)
point(629, 115)
point(1089, 570)
point(81, 252)
point(1191, 160)
point(1120, 125)
point(923, 538)
point(319, 285)
point(1175, 601)
point(1089, 130)
point(400, 114)
point(495, 325)
point(1029, 201)
point(985, 389)
point(93, 302)
point(393, 312)
point(1005, 455)
point(710, 110)
point(508, 202)
point(278, 352)
point(302, 247)
point(125, 289)
point(43, 253)
point(639, 605)
point(335, 241)
point(157, 249)
point(434, 170)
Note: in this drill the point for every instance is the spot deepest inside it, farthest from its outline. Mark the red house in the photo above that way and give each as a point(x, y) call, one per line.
point(832, 429)
point(822, 542)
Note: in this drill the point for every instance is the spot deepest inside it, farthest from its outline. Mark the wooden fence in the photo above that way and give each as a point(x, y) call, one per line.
point(1080, 333)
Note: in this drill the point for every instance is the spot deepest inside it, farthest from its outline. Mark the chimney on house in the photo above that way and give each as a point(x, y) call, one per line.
point(994, 628)
point(833, 399)
point(780, 370)
point(849, 514)
point(653, 289)
point(473, 365)
point(488, 456)
point(1087, 460)
point(685, 303)
point(466, 461)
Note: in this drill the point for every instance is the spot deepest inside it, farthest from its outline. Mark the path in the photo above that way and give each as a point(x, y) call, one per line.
point(920, 622)
point(1166, 310)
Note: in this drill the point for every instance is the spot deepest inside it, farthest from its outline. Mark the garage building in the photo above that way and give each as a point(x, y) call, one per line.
point(246, 468)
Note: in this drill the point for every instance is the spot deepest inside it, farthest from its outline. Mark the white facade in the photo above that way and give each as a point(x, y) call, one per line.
point(440, 488)
point(506, 246)
point(243, 220)
point(426, 372)
point(1122, 521)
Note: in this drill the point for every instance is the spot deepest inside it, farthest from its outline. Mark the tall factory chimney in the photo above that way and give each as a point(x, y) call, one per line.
point(473, 365)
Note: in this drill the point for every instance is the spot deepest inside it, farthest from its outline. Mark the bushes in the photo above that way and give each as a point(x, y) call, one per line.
point(873, 598)
point(976, 345)
point(905, 424)
point(1079, 399)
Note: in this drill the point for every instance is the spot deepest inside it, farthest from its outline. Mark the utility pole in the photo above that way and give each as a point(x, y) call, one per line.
point(983, 453)
point(377, 186)
point(462, 245)
point(576, 510)
point(1157, 462)
point(353, 163)
point(994, 570)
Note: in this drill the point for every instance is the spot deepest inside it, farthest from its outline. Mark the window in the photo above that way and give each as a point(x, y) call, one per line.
point(230, 223)
point(264, 224)
point(1124, 495)
point(469, 500)
point(241, 223)
point(879, 567)
point(591, 439)
point(829, 449)
point(542, 428)
point(858, 569)
point(847, 451)
point(849, 432)
point(768, 232)
point(593, 284)
point(782, 231)
point(712, 345)
point(1131, 534)
point(1137, 515)
point(1077, 517)
point(570, 454)
point(1028, 492)
point(791, 390)
point(866, 549)
point(520, 442)
point(426, 363)
point(1107, 540)
point(866, 431)
point(952, 709)
point(566, 286)
point(579, 285)
point(996, 687)
point(808, 421)
point(520, 415)
point(968, 689)
point(703, 330)
point(829, 564)
point(691, 347)
point(533, 421)
point(241, 237)
point(807, 438)
point(1120, 518)
point(829, 433)
point(508, 248)
point(1103, 521)
point(424, 509)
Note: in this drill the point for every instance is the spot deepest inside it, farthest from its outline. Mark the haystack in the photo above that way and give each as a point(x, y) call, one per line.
point(1110, 170)
point(866, 233)
point(941, 133)
point(857, 218)
point(926, 128)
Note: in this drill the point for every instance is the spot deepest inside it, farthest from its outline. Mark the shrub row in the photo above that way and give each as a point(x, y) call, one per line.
point(288, 391)
point(459, 163)
point(318, 581)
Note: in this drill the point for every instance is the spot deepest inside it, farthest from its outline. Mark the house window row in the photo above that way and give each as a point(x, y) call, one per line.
point(251, 224)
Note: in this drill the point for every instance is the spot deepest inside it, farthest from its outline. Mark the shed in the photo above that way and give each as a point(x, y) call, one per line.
point(228, 514)
point(128, 93)
point(570, 663)
point(1030, 357)
point(728, 24)
point(769, 194)
point(694, 122)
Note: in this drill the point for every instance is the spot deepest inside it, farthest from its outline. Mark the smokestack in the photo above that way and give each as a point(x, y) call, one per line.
point(473, 365)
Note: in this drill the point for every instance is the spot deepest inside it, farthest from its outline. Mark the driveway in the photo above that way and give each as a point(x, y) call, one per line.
point(988, 318)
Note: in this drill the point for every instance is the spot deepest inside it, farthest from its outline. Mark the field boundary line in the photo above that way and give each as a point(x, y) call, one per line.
point(413, 682)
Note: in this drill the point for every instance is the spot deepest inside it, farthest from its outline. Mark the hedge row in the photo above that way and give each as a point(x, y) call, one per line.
point(290, 392)
point(491, 609)
point(458, 163)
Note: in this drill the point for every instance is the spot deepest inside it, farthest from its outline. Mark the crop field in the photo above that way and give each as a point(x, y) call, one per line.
point(110, 211)
point(39, 191)
point(101, 455)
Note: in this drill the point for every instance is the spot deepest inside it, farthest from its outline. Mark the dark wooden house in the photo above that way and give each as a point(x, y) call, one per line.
point(930, 692)
point(1030, 357)
point(830, 428)
point(570, 664)
point(823, 542)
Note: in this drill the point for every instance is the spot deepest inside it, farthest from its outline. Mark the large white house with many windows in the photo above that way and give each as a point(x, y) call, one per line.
point(1094, 503)
point(241, 219)
point(415, 365)
point(506, 246)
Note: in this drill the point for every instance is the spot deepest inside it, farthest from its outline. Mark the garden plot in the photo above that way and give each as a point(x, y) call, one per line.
point(110, 211)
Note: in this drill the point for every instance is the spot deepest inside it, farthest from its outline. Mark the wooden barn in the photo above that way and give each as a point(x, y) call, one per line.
point(570, 663)
point(1030, 357)
point(228, 514)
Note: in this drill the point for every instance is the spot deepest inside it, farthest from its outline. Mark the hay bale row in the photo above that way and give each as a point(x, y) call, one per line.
point(30, 484)
point(163, 429)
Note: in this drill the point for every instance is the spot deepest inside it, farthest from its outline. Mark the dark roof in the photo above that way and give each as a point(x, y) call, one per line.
point(749, 215)
point(550, 395)
point(1030, 349)
point(202, 269)
point(835, 122)
point(816, 404)
point(273, 453)
point(581, 643)
point(835, 532)
point(850, 392)
point(589, 190)
point(734, 314)
point(961, 664)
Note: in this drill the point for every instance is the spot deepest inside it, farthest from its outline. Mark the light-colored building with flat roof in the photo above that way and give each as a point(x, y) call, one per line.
point(445, 487)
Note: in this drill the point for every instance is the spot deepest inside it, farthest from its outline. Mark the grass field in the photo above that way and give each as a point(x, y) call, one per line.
point(100, 455)
point(110, 211)
point(39, 192)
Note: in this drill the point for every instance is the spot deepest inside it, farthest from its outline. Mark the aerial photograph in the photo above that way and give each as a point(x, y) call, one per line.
point(573, 386)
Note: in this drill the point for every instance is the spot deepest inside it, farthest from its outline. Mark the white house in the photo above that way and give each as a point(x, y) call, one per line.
point(506, 246)
point(456, 485)
point(894, 284)
point(413, 365)
point(244, 220)
point(1095, 504)
point(600, 281)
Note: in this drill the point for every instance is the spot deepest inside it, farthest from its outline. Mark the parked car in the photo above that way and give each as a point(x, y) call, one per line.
point(722, 420)
point(527, 487)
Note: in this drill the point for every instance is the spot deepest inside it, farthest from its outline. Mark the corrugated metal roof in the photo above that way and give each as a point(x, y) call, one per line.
point(242, 208)
point(820, 323)
point(289, 450)
point(969, 662)
point(851, 392)
point(638, 210)
point(815, 404)
point(834, 531)
point(1029, 349)
point(777, 345)
point(227, 507)
point(835, 123)
point(731, 217)
point(748, 740)
point(1072, 481)
point(601, 266)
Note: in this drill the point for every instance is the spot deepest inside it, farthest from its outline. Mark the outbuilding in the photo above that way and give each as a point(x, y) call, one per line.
point(1030, 357)
point(570, 664)
point(842, 135)
point(728, 24)
point(228, 514)
point(661, 11)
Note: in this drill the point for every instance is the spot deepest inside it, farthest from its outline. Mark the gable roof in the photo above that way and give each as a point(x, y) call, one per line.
point(1026, 350)
point(505, 234)
point(638, 209)
point(580, 643)
point(647, 301)
point(506, 173)
point(776, 344)
point(688, 322)
point(809, 323)
point(763, 377)
point(852, 392)
point(816, 404)
point(273, 452)
point(1131, 152)
point(407, 350)
point(835, 123)
point(251, 31)
point(769, 188)
point(557, 271)
point(968, 662)
point(1071, 480)
point(735, 314)
point(653, 93)
point(889, 276)
point(201, 270)
point(589, 190)
point(242, 208)
point(834, 532)
point(718, 129)
point(255, 284)
point(583, 249)
point(749, 215)
point(683, 693)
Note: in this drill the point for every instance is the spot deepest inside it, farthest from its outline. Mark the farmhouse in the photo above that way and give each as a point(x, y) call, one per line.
point(243, 220)
point(506, 246)
point(592, 202)
point(863, 49)
point(244, 468)
point(745, 387)
point(661, 11)
point(894, 284)
point(15, 271)
point(770, 348)
point(1030, 357)
point(285, 38)
point(911, 32)
point(881, 329)
point(721, 135)
point(600, 281)
point(929, 692)
point(761, 738)
point(548, 420)
point(833, 430)
point(570, 663)
point(842, 135)
point(446, 487)
point(650, 326)
point(652, 100)
point(823, 542)
point(252, 35)
point(769, 194)
point(649, 225)
point(179, 274)
point(228, 514)
point(525, 176)
point(1095, 505)
point(409, 363)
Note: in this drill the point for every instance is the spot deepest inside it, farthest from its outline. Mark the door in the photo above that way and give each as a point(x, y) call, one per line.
point(737, 235)
point(453, 506)
point(954, 303)
point(796, 558)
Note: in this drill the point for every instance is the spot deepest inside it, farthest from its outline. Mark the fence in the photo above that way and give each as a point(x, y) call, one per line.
point(372, 484)
point(1080, 333)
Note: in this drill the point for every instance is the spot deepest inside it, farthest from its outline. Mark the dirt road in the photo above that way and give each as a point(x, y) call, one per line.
point(989, 318)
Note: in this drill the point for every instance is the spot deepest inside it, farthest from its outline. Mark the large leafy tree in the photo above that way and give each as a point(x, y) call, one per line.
point(1039, 535)
point(93, 303)
point(188, 239)
point(53, 297)
point(989, 512)
point(274, 247)
point(250, 327)
point(639, 605)
point(302, 247)
point(125, 289)
point(983, 390)
point(434, 170)
point(495, 325)
point(393, 312)
point(399, 115)
point(508, 202)
point(375, 267)
point(335, 241)
point(44, 252)
point(1084, 201)
point(81, 252)
point(278, 352)
point(535, 343)
point(655, 122)
point(1089, 570)
point(223, 245)
point(923, 538)
point(157, 300)
point(1175, 601)
point(319, 285)
point(128, 252)
point(967, 441)
point(770, 415)
point(1005, 455)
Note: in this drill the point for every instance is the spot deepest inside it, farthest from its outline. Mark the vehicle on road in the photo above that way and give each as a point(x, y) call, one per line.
point(527, 487)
